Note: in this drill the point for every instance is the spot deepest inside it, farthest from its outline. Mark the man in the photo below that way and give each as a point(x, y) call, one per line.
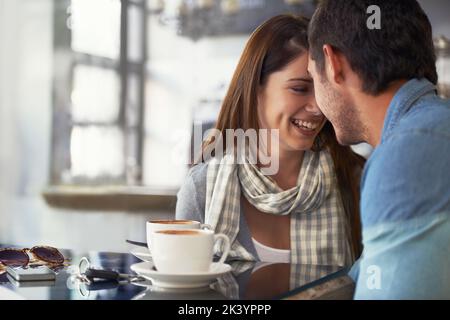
point(377, 84)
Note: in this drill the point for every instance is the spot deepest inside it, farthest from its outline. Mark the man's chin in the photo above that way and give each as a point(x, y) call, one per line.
point(343, 142)
point(347, 140)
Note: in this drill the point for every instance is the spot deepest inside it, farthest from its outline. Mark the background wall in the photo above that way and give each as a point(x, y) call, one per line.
point(438, 12)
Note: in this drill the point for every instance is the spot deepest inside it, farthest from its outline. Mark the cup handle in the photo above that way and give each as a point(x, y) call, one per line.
point(226, 242)
point(205, 226)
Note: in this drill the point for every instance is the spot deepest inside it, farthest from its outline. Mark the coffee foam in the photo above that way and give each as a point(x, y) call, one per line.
point(173, 221)
point(180, 232)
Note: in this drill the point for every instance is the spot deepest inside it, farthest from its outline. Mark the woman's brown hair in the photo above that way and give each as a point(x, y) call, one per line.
point(271, 47)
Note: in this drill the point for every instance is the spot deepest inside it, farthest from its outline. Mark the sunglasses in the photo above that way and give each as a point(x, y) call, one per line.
point(20, 258)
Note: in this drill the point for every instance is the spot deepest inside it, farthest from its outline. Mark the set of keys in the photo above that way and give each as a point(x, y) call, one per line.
point(91, 279)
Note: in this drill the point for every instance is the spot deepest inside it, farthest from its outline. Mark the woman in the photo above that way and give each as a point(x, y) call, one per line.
point(307, 212)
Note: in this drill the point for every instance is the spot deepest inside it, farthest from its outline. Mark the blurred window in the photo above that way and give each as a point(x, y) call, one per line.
point(98, 91)
point(133, 77)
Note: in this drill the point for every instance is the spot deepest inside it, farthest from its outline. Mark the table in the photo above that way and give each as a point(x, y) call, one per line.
point(246, 281)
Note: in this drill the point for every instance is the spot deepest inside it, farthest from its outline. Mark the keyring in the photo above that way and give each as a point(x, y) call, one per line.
point(83, 265)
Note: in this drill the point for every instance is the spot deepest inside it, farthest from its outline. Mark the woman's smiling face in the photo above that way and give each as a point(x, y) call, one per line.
point(286, 102)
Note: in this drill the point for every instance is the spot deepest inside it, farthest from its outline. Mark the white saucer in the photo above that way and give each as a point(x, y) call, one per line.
point(142, 253)
point(191, 280)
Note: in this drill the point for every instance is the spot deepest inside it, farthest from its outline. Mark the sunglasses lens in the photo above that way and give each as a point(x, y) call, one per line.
point(13, 258)
point(48, 254)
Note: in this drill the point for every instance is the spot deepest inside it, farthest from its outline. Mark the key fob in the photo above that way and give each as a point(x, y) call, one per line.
point(101, 274)
point(102, 285)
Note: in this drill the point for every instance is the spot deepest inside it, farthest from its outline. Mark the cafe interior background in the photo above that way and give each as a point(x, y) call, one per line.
point(98, 102)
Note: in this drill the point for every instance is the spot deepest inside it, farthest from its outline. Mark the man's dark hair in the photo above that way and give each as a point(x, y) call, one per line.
point(401, 49)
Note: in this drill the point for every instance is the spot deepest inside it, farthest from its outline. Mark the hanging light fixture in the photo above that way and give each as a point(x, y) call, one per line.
point(155, 6)
point(442, 47)
point(295, 2)
point(229, 6)
point(205, 4)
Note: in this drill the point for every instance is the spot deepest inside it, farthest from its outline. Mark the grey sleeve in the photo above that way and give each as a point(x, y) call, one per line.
point(191, 201)
point(191, 197)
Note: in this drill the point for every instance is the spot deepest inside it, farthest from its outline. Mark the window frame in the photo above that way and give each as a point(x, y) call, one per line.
point(66, 61)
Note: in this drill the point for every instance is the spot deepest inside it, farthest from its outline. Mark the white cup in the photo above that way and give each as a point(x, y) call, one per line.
point(157, 225)
point(186, 251)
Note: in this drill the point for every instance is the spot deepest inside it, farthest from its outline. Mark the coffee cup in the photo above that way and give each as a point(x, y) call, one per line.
point(156, 225)
point(186, 251)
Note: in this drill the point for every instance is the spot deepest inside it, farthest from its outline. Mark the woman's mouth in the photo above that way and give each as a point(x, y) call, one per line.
point(307, 128)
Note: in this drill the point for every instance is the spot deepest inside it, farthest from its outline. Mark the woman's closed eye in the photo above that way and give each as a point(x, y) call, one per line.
point(300, 90)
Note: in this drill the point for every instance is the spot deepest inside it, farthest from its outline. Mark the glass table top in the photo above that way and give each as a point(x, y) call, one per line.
point(246, 280)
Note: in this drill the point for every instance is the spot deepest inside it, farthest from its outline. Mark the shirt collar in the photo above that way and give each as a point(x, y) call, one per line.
point(403, 101)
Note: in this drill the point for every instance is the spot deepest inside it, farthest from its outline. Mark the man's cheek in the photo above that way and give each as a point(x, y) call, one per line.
point(324, 105)
point(321, 99)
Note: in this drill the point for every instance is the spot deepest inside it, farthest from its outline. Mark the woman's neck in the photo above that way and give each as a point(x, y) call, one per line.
point(290, 163)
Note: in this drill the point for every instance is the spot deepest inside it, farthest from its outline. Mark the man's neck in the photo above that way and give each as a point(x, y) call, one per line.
point(375, 109)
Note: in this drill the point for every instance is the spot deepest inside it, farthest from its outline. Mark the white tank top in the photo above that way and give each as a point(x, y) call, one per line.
point(269, 254)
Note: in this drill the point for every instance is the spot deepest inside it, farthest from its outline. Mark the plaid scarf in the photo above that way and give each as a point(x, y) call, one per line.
point(319, 227)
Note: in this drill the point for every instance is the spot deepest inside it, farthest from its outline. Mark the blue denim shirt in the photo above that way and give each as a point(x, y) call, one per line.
point(405, 201)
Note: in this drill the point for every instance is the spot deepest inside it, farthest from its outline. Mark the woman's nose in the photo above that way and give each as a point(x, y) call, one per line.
point(312, 107)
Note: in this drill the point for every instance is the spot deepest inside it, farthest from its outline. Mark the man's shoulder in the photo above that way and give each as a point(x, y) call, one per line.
point(429, 115)
point(407, 175)
point(420, 147)
point(423, 130)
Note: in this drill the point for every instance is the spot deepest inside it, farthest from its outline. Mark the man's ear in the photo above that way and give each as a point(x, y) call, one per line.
point(333, 64)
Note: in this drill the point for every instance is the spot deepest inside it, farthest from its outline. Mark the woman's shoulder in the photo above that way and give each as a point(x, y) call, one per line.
point(198, 173)
point(191, 197)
